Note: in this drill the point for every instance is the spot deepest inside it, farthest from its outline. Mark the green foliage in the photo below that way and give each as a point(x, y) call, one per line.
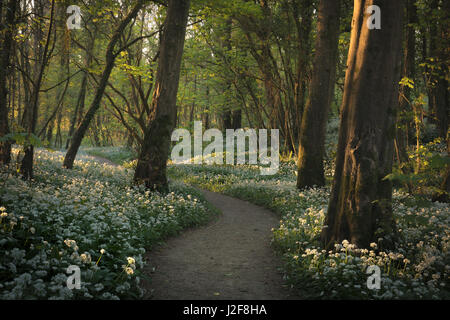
point(91, 217)
point(416, 269)
point(22, 139)
point(423, 172)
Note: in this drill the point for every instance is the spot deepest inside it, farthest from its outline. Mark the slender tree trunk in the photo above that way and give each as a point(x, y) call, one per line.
point(236, 119)
point(227, 121)
point(110, 59)
point(314, 120)
point(6, 36)
point(206, 120)
point(58, 139)
point(78, 112)
point(152, 161)
point(26, 166)
point(409, 55)
point(49, 135)
point(360, 208)
point(440, 90)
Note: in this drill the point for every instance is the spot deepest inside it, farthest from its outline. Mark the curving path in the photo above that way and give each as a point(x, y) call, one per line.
point(231, 258)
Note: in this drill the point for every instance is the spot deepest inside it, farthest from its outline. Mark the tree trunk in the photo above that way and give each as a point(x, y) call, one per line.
point(152, 161)
point(360, 208)
point(441, 92)
point(110, 59)
point(7, 33)
point(78, 112)
point(314, 120)
point(43, 56)
point(408, 71)
point(227, 120)
point(236, 119)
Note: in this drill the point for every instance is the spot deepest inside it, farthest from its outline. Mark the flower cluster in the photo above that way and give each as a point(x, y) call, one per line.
point(419, 266)
point(90, 216)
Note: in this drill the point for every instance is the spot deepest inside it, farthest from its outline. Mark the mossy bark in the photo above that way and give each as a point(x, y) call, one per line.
point(152, 161)
point(360, 208)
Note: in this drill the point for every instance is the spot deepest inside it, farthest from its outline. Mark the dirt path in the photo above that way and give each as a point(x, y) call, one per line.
point(229, 259)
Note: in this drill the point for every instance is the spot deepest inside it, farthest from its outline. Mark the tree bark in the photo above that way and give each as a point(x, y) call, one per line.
point(312, 135)
point(360, 208)
point(152, 161)
point(110, 59)
point(7, 32)
point(26, 166)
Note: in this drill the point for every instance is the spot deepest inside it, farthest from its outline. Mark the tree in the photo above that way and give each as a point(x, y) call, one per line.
point(314, 120)
point(111, 55)
point(360, 208)
point(408, 72)
point(154, 153)
point(43, 54)
point(79, 106)
point(6, 40)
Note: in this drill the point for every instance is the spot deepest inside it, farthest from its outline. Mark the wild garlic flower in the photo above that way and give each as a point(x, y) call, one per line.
point(129, 270)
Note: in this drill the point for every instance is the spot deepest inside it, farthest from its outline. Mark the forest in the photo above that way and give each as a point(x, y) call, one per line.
point(224, 149)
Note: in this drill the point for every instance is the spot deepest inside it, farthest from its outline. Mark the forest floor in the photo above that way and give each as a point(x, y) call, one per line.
point(231, 258)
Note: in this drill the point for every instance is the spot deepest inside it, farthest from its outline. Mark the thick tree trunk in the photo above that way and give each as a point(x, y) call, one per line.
point(7, 33)
point(312, 136)
point(110, 59)
point(305, 10)
point(152, 161)
point(360, 208)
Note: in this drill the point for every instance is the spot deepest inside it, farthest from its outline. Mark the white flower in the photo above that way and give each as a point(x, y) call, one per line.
point(32, 230)
point(129, 270)
point(102, 251)
point(131, 260)
point(373, 245)
point(85, 257)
